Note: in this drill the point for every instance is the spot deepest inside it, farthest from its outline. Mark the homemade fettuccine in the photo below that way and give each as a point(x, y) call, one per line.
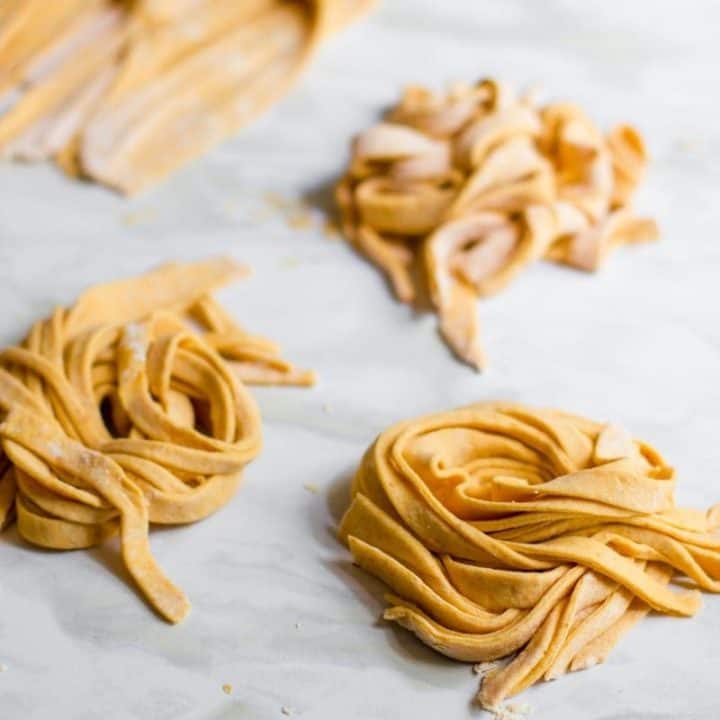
point(456, 194)
point(128, 91)
point(130, 408)
point(509, 531)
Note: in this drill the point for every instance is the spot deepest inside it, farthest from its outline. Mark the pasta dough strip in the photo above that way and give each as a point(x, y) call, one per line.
point(117, 413)
point(504, 529)
point(474, 185)
point(128, 91)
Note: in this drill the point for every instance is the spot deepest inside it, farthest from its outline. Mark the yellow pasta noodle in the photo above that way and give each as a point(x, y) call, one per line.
point(505, 530)
point(461, 192)
point(128, 91)
point(130, 408)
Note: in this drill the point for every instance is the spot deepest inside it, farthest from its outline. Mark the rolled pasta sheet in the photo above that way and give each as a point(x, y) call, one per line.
point(504, 530)
point(462, 191)
point(128, 91)
point(130, 408)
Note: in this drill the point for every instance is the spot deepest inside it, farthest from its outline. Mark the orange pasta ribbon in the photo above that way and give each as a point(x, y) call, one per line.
point(461, 192)
point(128, 409)
point(128, 91)
point(507, 531)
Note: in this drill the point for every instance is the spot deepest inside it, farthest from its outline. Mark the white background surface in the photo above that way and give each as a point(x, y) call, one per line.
point(278, 612)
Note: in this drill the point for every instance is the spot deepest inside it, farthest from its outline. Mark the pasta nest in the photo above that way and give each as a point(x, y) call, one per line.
point(454, 195)
point(130, 408)
point(505, 530)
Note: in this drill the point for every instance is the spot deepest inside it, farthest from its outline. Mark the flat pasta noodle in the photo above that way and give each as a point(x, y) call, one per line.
point(130, 408)
point(461, 191)
point(127, 91)
point(505, 531)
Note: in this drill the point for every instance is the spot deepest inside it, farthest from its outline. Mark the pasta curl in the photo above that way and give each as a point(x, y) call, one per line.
point(130, 408)
point(461, 192)
point(503, 530)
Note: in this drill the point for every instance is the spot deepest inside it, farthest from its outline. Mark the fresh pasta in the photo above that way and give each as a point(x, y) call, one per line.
point(507, 531)
point(454, 195)
point(127, 91)
point(130, 408)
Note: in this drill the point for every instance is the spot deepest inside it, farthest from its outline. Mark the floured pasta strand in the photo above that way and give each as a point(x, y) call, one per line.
point(472, 186)
point(130, 408)
point(128, 91)
point(506, 530)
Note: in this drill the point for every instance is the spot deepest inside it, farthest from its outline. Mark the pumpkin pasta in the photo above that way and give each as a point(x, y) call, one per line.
point(503, 530)
point(128, 91)
point(130, 408)
point(457, 194)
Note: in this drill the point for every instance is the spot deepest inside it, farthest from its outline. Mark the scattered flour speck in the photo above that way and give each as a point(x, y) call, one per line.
point(483, 668)
point(135, 339)
point(289, 263)
point(513, 711)
point(520, 708)
point(138, 216)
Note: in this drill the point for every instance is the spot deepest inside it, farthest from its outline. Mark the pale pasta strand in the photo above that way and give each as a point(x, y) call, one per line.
point(128, 91)
point(470, 187)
